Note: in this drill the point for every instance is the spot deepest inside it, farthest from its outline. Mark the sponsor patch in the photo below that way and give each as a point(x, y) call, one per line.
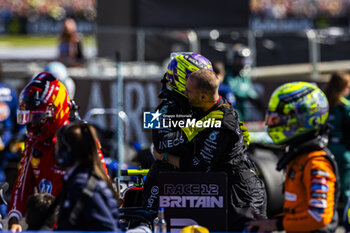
point(213, 135)
point(45, 186)
point(319, 195)
point(318, 203)
point(195, 161)
point(319, 187)
point(318, 210)
point(290, 196)
point(35, 162)
point(315, 172)
point(155, 190)
point(321, 180)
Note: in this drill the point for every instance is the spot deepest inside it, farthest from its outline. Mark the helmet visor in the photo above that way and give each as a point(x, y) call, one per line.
point(275, 119)
point(32, 116)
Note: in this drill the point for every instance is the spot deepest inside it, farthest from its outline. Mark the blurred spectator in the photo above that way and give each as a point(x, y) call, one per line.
point(339, 136)
point(88, 201)
point(248, 104)
point(224, 90)
point(60, 71)
point(70, 44)
point(10, 133)
point(38, 210)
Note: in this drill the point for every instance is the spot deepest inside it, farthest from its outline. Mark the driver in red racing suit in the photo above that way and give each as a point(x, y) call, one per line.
point(44, 107)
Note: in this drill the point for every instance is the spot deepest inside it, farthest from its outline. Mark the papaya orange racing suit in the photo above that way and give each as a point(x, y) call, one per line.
point(311, 193)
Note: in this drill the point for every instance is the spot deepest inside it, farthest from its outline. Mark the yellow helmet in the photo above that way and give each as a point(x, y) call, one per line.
point(194, 229)
point(180, 68)
point(295, 109)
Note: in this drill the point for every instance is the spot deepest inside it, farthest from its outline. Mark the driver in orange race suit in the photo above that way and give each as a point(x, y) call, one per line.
point(296, 118)
point(44, 107)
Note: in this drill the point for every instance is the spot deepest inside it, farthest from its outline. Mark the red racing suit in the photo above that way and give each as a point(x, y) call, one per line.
point(311, 192)
point(37, 174)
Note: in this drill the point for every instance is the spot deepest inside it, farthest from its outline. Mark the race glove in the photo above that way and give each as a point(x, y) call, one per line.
point(246, 134)
point(191, 132)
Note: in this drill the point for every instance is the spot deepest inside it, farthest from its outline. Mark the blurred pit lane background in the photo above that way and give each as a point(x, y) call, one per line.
point(286, 39)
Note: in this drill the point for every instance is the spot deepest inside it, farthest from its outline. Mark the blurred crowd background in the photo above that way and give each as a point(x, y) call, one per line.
point(300, 8)
point(285, 39)
point(18, 15)
point(260, 43)
point(86, 9)
point(56, 9)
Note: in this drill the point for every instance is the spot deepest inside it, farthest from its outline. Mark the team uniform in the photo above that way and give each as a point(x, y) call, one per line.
point(211, 150)
point(296, 117)
point(171, 140)
point(44, 107)
point(223, 149)
point(174, 103)
point(206, 151)
point(311, 193)
point(37, 172)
